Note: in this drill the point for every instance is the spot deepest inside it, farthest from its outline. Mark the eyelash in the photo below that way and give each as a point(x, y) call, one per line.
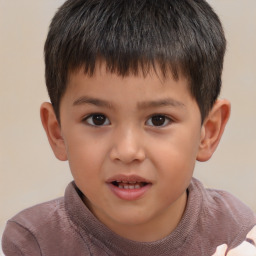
point(103, 118)
point(167, 120)
point(89, 119)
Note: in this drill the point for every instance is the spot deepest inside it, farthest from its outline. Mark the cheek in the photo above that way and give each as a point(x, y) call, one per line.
point(177, 150)
point(85, 156)
point(175, 159)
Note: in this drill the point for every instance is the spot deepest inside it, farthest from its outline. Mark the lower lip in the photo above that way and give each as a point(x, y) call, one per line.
point(129, 194)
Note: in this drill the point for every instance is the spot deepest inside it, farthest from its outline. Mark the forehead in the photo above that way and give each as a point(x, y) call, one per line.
point(154, 73)
point(103, 78)
point(142, 91)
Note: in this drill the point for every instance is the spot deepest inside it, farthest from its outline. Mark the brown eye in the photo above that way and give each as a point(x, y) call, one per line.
point(158, 120)
point(97, 120)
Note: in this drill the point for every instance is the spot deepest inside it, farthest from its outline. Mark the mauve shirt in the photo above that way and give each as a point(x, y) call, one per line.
point(65, 227)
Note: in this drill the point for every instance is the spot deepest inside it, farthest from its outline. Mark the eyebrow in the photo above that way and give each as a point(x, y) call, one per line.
point(93, 101)
point(141, 105)
point(161, 103)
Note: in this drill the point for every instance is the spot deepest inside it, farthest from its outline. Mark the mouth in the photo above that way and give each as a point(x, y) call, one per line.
point(129, 187)
point(129, 184)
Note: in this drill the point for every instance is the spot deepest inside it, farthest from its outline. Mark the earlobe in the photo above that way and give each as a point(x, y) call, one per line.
point(212, 129)
point(53, 131)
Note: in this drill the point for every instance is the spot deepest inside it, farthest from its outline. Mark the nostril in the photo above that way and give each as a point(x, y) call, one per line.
point(126, 151)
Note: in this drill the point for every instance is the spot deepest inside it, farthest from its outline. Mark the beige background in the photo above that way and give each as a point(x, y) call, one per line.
point(30, 174)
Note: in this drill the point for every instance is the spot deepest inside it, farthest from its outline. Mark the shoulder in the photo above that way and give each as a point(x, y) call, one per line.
point(224, 215)
point(222, 203)
point(44, 229)
point(39, 215)
point(21, 231)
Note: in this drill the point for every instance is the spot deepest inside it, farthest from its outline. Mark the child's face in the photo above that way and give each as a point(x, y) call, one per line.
point(131, 144)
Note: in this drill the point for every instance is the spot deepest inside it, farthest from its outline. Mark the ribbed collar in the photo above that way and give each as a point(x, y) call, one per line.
point(81, 216)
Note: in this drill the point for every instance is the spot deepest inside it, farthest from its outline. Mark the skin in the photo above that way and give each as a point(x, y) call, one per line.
point(129, 143)
point(246, 248)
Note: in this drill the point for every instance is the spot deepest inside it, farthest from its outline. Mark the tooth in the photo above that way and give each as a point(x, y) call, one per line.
point(137, 186)
point(131, 186)
point(132, 182)
point(126, 187)
point(124, 181)
point(120, 186)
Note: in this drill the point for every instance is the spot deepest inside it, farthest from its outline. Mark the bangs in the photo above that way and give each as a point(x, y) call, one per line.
point(124, 37)
point(133, 37)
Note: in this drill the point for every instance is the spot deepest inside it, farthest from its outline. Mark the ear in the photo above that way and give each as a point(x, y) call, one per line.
point(212, 129)
point(53, 131)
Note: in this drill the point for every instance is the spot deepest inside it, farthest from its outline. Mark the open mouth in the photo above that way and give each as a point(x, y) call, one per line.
point(129, 184)
point(129, 187)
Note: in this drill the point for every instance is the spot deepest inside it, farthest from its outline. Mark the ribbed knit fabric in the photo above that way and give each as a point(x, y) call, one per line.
point(65, 227)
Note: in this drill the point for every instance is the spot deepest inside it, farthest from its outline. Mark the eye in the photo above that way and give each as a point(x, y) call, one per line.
point(158, 120)
point(97, 120)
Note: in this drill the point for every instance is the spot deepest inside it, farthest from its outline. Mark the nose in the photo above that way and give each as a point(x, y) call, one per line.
point(127, 146)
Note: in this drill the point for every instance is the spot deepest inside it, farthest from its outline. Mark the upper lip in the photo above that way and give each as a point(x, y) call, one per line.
point(127, 178)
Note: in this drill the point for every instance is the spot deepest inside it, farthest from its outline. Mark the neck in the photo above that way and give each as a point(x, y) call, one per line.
point(157, 228)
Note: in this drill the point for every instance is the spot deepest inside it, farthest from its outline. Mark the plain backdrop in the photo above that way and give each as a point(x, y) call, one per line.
point(29, 172)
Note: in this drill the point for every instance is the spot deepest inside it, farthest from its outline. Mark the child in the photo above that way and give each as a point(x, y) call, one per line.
point(133, 88)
